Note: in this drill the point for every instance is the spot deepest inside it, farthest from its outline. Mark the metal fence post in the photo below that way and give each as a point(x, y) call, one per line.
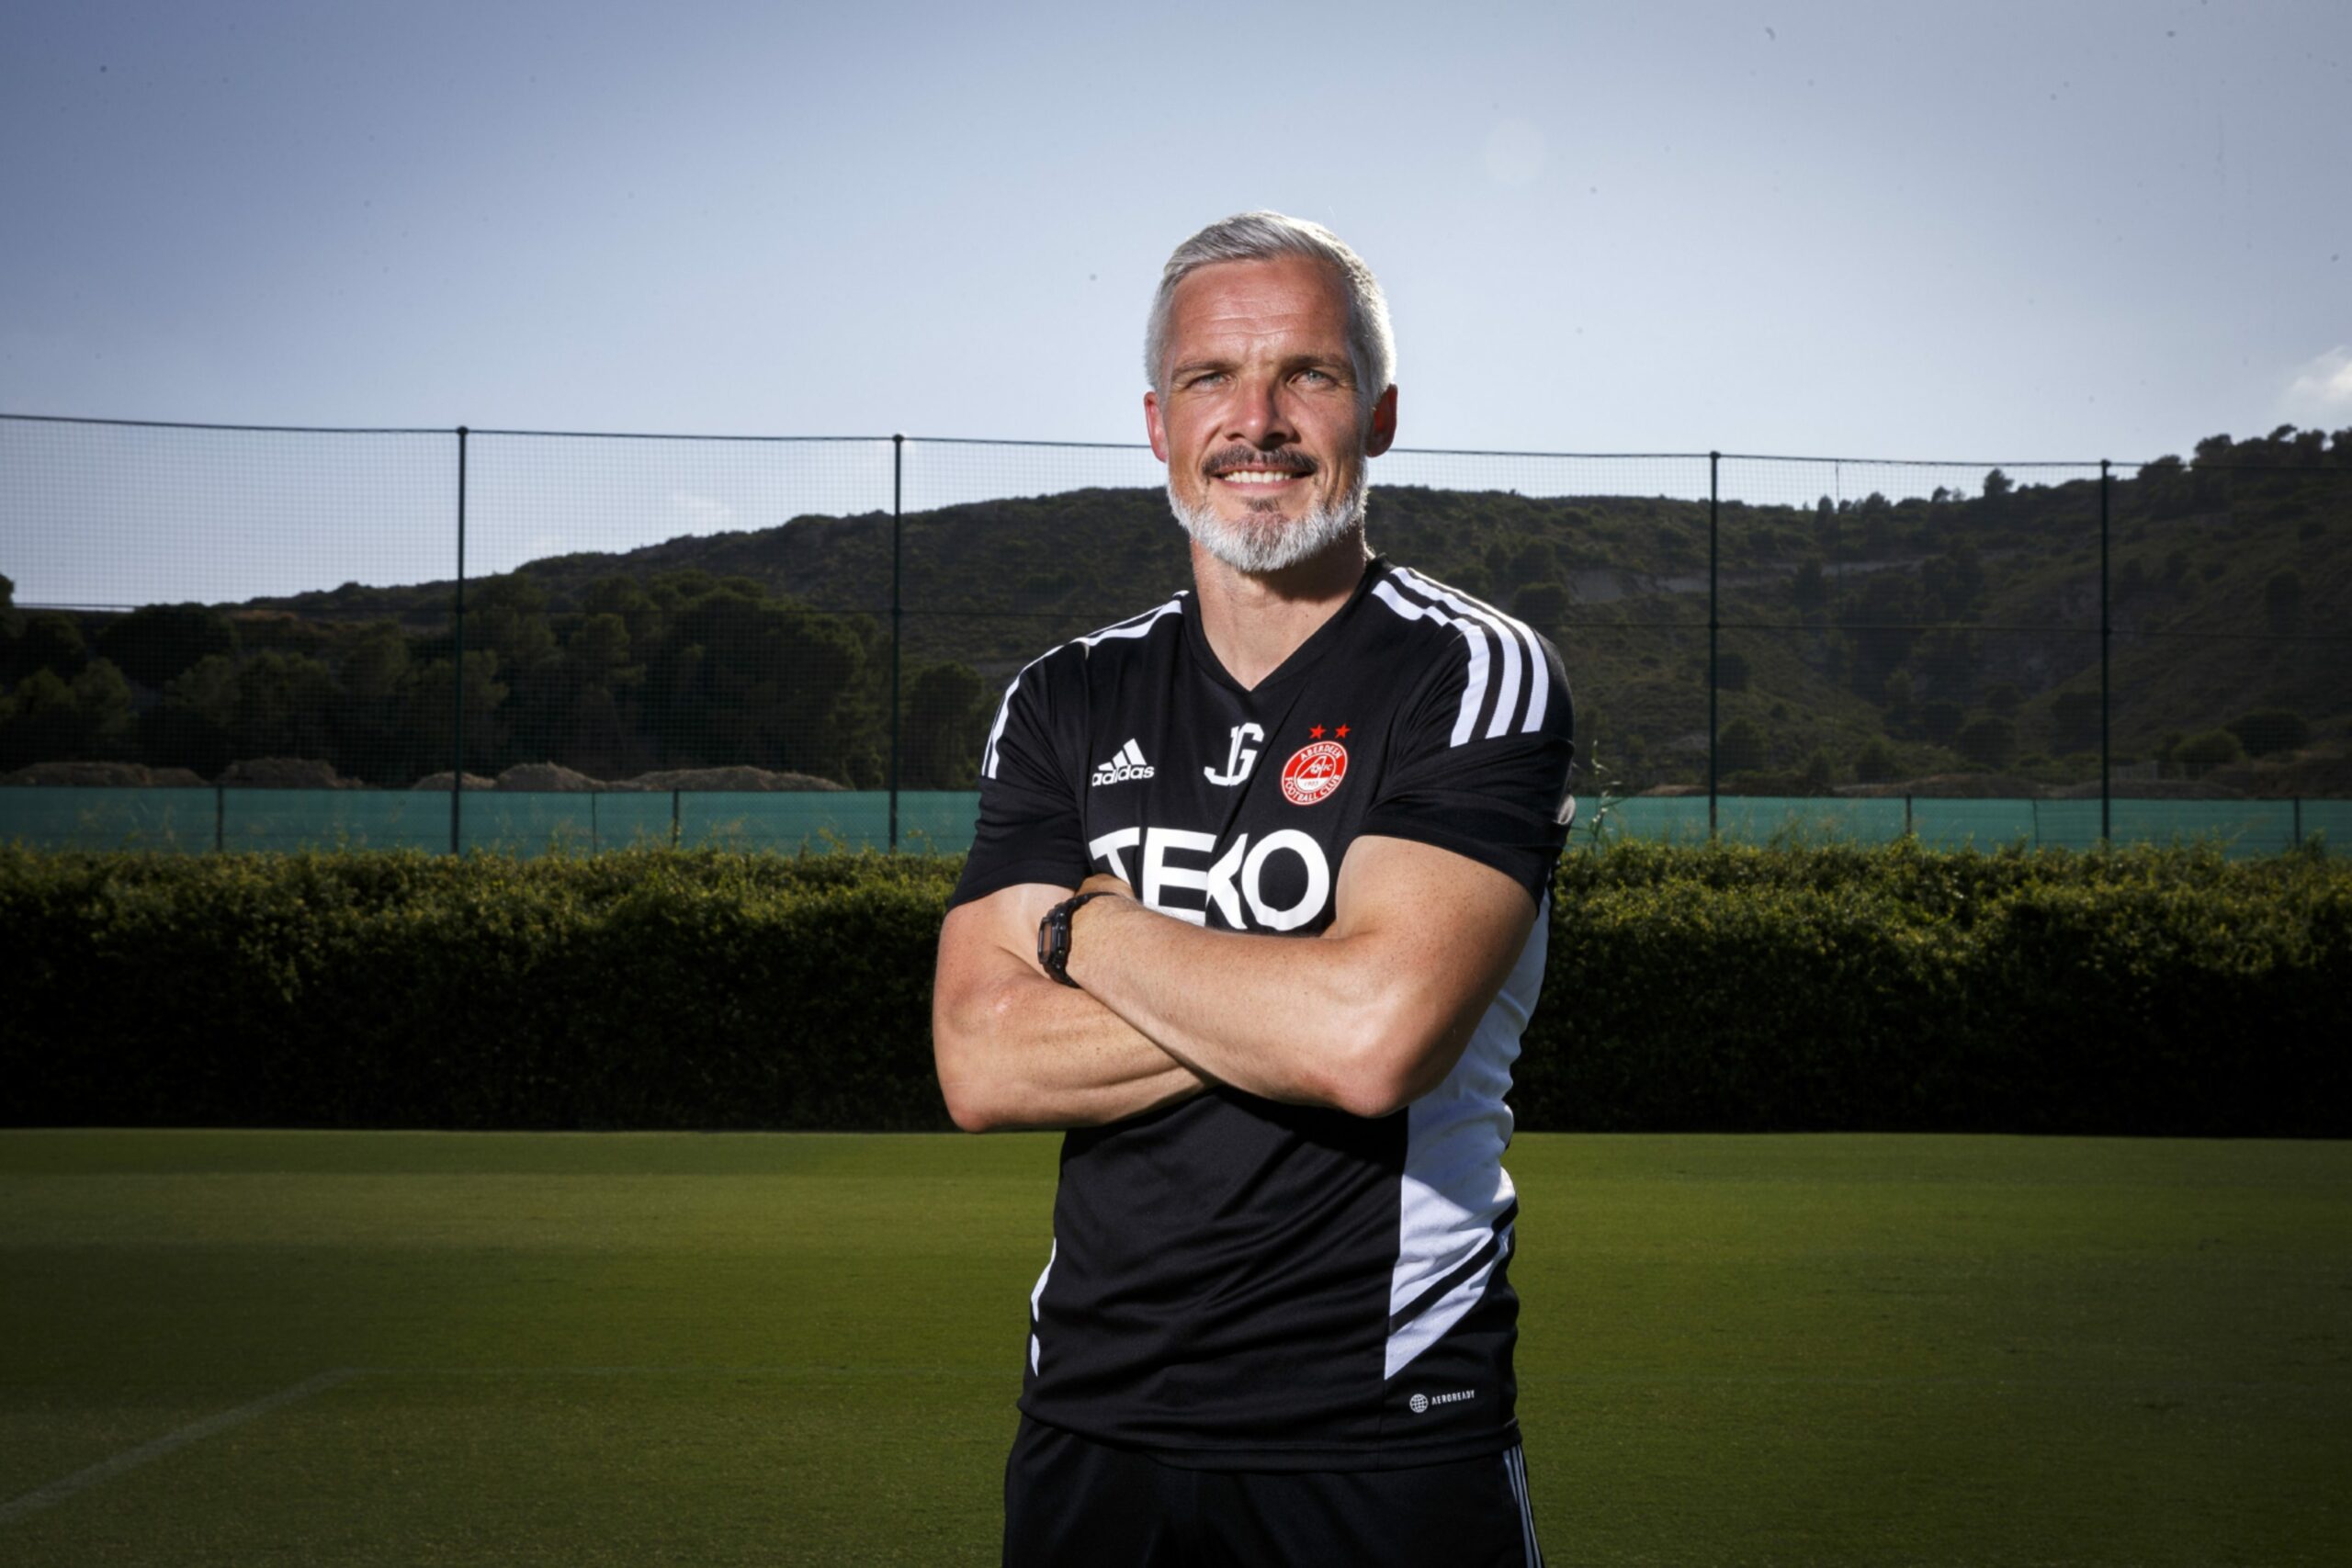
point(898, 495)
point(2106, 644)
point(457, 726)
point(1715, 625)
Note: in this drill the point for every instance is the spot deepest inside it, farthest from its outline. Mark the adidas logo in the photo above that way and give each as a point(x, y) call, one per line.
point(1127, 763)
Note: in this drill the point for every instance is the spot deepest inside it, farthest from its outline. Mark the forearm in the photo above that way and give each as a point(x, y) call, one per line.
point(1305, 1020)
point(1015, 1050)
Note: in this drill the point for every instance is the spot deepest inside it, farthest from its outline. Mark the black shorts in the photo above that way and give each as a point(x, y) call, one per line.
point(1073, 1502)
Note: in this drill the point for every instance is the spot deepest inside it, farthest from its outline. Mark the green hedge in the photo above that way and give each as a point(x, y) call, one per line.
point(2143, 991)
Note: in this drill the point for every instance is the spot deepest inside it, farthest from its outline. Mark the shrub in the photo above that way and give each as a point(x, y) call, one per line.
point(2148, 991)
point(2266, 730)
point(2201, 754)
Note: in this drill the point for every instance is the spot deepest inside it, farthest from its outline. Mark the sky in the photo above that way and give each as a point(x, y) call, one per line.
point(2066, 230)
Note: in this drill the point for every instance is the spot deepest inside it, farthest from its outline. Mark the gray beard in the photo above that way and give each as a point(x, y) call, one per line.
point(1259, 549)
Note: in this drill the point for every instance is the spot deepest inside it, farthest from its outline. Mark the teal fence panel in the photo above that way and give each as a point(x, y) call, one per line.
point(1808, 819)
point(784, 820)
point(941, 821)
point(93, 818)
point(1983, 824)
point(1669, 819)
point(2331, 818)
point(528, 823)
point(2243, 827)
point(290, 819)
point(2067, 824)
point(937, 821)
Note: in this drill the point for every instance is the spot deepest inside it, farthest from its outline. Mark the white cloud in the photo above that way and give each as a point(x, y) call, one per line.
point(2322, 388)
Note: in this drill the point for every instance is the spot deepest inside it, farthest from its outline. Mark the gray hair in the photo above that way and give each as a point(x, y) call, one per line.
point(1263, 236)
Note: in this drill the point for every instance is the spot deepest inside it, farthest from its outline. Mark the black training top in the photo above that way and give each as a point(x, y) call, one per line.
point(1235, 1283)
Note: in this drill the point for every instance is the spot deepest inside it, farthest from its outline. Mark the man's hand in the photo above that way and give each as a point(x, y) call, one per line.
point(1015, 1049)
point(1367, 1018)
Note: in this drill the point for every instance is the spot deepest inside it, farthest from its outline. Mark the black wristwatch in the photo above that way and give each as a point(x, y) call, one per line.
point(1053, 938)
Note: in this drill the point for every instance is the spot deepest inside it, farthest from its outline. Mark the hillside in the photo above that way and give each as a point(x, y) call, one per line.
point(1863, 642)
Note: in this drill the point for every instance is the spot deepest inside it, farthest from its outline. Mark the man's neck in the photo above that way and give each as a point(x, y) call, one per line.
point(1254, 622)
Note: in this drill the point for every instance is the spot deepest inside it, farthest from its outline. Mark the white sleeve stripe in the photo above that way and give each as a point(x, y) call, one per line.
point(1474, 694)
point(996, 730)
point(1514, 634)
point(1134, 626)
point(1506, 696)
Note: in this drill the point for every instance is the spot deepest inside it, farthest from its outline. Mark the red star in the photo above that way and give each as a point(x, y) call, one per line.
point(1342, 732)
point(1315, 733)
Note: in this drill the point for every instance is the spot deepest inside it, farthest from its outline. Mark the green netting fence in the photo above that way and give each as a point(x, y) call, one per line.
point(940, 821)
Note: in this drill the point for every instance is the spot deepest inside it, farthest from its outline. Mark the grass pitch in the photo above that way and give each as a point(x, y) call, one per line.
point(254, 1347)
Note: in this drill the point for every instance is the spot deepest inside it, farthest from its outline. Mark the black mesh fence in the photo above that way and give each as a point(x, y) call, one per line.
point(703, 635)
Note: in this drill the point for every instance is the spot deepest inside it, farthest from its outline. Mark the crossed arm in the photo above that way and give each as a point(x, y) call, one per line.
point(1365, 1018)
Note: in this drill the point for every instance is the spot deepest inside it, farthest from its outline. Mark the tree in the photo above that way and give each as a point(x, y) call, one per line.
point(509, 616)
point(948, 714)
point(2282, 597)
point(2200, 755)
point(2267, 730)
point(2073, 721)
point(1989, 742)
point(47, 718)
point(1888, 621)
point(1538, 560)
point(51, 640)
point(1731, 669)
point(1997, 485)
point(1811, 589)
point(376, 669)
point(1953, 582)
point(1543, 605)
point(740, 678)
point(155, 642)
point(1876, 762)
point(1941, 719)
point(1741, 747)
point(429, 698)
point(191, 726)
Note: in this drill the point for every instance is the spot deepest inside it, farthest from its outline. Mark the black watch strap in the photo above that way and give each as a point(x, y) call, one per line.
point(1053, 938)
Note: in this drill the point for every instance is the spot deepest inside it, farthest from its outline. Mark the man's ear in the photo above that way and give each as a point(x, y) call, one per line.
point(1154, 426)
point(1382, 434)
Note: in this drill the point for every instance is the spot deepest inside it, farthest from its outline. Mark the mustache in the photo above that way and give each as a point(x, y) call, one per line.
point(1287, 458)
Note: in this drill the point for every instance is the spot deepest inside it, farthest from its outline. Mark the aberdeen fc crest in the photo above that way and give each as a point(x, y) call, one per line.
point(1313, 772)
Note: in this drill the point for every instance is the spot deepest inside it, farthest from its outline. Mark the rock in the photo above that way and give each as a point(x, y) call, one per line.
point(542, 777)
point(104, 775)
point(734, 778)
point(285, 773)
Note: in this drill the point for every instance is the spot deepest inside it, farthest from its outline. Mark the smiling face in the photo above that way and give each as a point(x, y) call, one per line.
point(1263, 423)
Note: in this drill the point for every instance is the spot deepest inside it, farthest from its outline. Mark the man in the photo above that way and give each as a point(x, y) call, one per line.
point(1255, 911)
